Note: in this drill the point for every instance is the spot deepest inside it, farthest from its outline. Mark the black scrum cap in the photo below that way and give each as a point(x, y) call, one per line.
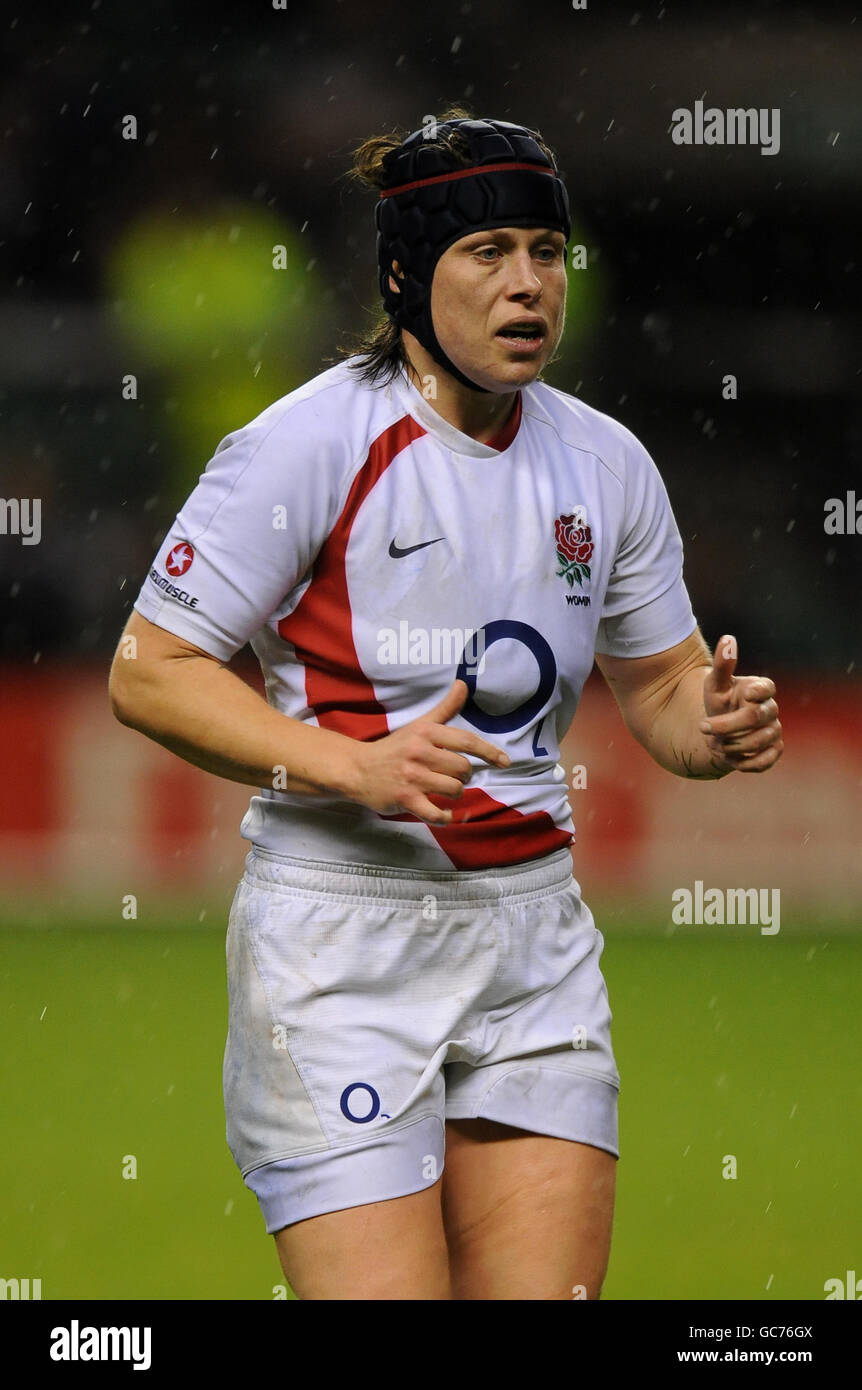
point(430, 200)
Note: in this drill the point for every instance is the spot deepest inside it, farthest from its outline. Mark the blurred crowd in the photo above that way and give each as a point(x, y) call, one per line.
point(141, 319)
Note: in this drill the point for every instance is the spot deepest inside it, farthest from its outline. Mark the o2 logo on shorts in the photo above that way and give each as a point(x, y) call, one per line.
point(371, 1095)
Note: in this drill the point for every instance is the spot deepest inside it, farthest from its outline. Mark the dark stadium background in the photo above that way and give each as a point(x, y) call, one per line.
point(152, 257)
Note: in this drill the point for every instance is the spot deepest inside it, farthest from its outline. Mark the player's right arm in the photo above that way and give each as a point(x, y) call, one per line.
point(294, 465)
point(191, 703)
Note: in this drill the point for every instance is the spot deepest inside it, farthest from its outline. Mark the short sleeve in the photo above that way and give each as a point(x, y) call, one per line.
point(646, 606)
point(244, 538)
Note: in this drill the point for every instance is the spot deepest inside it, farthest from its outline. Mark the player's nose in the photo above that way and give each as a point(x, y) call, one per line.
point(522, 278)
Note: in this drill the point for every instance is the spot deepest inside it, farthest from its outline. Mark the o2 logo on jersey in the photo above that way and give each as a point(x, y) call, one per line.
point(179, 559)
point(526, 712)
point(371, 1095)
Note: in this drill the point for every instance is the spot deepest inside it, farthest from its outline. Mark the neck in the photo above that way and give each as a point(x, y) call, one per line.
point(477, 414)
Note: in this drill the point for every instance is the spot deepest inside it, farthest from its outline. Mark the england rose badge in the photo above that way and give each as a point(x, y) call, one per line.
point(574, 547)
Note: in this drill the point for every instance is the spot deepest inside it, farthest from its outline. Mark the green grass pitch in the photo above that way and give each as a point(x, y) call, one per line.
point(738, 1045)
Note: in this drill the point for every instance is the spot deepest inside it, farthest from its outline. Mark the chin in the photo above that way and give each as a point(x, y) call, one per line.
point(522, 373)
point(510, 376)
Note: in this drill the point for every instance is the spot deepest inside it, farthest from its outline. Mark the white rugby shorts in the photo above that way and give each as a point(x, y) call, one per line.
point(369, 1005)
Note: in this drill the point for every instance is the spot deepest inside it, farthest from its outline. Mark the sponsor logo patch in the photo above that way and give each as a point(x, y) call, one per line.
point(172, 590)
point(179, 559)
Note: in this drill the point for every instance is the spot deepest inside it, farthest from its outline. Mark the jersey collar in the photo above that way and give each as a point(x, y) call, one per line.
point(422, 410)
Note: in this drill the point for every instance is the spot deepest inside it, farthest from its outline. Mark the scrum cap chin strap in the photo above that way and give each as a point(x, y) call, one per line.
point(429, 202)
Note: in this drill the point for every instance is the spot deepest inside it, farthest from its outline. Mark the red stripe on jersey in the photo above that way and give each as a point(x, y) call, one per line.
point(321, 626)
point(503, 438)
point(485, 833)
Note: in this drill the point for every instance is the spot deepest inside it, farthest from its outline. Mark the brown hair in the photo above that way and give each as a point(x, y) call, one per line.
point(379, 347)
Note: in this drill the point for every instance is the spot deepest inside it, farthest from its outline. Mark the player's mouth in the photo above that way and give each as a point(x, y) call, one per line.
point(524, 336)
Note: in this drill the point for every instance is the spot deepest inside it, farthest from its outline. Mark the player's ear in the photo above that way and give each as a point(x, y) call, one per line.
point(400, 273)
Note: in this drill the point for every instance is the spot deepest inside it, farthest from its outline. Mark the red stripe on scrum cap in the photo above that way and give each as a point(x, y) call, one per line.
point(465, 174)
point(321, 626)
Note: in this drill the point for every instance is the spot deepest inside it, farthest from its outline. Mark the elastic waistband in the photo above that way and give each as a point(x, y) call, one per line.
point(538, 878)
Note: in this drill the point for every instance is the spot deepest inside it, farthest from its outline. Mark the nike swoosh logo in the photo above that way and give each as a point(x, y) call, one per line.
point(396, 552)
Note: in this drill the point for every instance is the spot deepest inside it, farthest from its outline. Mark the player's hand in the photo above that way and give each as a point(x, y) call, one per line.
point(741, 725)
point(423, 759)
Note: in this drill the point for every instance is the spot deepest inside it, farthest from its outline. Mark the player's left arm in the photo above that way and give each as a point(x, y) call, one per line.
point(692, 714)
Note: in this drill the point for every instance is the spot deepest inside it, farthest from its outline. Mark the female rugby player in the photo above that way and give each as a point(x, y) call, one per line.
point(428, 549)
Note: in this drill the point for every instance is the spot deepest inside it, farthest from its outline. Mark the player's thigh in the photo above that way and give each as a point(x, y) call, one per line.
point(382, 1250)
point(526, 1216)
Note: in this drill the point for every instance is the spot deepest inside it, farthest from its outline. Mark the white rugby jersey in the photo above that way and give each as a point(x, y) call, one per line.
point(370, 553)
